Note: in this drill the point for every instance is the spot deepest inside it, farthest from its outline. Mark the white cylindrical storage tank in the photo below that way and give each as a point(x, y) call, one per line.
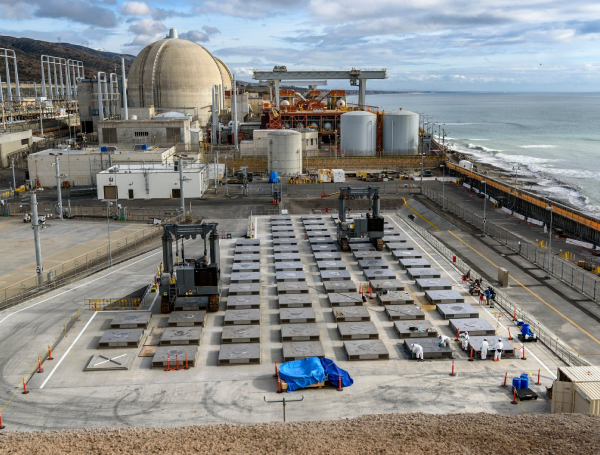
point(285, 152)
point(401, 133)
point(358, 131)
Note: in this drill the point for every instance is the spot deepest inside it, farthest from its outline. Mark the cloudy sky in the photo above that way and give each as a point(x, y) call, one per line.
point(497, 45)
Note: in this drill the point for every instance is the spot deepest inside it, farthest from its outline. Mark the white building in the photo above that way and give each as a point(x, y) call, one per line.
point(11, 143)
point(152, 181)
point(260, 145)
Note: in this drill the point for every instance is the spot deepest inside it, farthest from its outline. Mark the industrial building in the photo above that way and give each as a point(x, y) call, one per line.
point(259, 146)
point(13, 142)
point(152, 181)
point(164, 129)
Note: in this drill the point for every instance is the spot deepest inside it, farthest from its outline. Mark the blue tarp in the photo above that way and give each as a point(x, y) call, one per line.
point(302, 373)
point(274, 177)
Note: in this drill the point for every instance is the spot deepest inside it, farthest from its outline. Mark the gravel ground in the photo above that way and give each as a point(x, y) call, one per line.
point(392, 433)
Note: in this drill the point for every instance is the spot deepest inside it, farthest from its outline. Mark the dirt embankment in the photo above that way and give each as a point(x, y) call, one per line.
point(379, 434)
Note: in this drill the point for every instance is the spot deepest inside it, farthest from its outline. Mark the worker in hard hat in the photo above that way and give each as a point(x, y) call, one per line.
point(498, 353)
point(465, 341)
point(484, 348)
point(444, 340)
point(417, 350)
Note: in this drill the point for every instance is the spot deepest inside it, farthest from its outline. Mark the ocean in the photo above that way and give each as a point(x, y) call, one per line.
point(549, 141)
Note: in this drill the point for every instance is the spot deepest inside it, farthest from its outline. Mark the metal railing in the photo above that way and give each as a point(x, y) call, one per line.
point(120, 304)
point(558, 347)
point(567, 272)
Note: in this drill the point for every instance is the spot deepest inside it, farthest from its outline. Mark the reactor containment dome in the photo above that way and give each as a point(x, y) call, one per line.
point(176, 73)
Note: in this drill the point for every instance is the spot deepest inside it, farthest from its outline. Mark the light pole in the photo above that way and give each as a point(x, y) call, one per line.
point(549, 242)
point(108, 204)
point(422, 154)
point(443, 166)
point(14, 180)
point(516, 169)
point(484, 204)
point(35, 221)
point(58, 186)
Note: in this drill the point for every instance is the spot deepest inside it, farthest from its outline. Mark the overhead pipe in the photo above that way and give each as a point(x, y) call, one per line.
point(123, 81)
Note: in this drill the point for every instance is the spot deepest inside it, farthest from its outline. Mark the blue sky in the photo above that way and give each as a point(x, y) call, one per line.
point(498, 45)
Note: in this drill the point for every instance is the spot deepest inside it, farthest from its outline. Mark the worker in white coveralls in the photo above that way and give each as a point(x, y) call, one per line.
point(498, 353)
point(417, 350)
point(484, 348)
point(465, 341)
point(444, 340)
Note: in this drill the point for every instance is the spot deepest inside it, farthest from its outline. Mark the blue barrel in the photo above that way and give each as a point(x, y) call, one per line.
point(517, 383)
point(525, 329)
point(524, 381)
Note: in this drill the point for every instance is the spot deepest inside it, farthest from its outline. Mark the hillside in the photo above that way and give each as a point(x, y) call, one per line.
point(29, 52)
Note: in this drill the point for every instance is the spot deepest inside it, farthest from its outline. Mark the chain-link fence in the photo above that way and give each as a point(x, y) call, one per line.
point(564, 352)
point(569, 273)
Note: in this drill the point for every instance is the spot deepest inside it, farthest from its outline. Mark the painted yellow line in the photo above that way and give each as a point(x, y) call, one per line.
point(527, 289)
point(420, 216)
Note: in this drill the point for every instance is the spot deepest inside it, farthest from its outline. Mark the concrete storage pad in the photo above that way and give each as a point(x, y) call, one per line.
point(295, 300)
point(240, 334)
point(281, 217)
point(312, 217)
point(320, 240)
point(239, 353)
point(392, 238)
point(379, 274)
point(242, 317)
point(181, 335)
point(378, 264)
point(457, 311)
point(393, 246)
point(389, 285)
point(413, 263)
point(131, 320)
point(351, 314)
point(246, 257)
point(395, 298)
point(287, 277)
point(366, 350)
point(356, 240)
point(110, 362)
point(243, 302)
point(345, 299)
point(429, 272)
point(362, 247)
point(292, 288)
point(288, 266)
point(433, 284)
point(328, 256)
point(366, 254)
point(288, 241)
point(335, 275)
point(323, 247)
point(298, 350)
point(247, 249)
point(312, 234)
point(254, 242)
point(282, 228)
point(187, 319)
point(281, 223)
point(296, 315)
point(287, 257)
point(191, 303)
point(313, 222)
point(431, 348)
point(245, 277)
point(404, 312)
point(246, 267)
point(402, 254)
point(119, 338)
point(358, 331)
point(285, 249)
point(475, 326)
point(281, 235)
point(331, 265)
point(476, 341)
point(175, 353)
point(450, 296)
point(300, 332)
point(339, 286)
point(244, 289)
point(316, 226)
point(415, 329)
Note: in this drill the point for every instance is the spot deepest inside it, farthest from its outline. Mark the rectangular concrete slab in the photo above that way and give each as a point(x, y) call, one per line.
point(246, 267)
point(284, 241)
point(351, 314)
point(287, 287)
point(404, 312)
point(387, 285)
point(345, 299)
point(291, 276)
point(280, 217)
point(476, 342)
point(280, 235)
point(392, 239)
point(433, 284)
point(448, 296)
point(105, 361)
point(295, 300)
point(300, 332)
point(379, 274)
point(282, 228)
point(254, 242)
point(181, 335)
point(187, 319)
point(339, 286)
point(362, 247)
point(242, 317)
point(367, 254)
point(457, 311)
point(240, 334)
point(244, 289)
point(287, 257)
point(335, 275)
point(315, 227)
point(243, 302)
point(281, 223)
point(431, 348)
point(247, 249)
point(245, 277)
point(246, 257)
point(379, 264)
point(393, 246)
point(311, 216)
point(419, 272)
point(366, 350)
point(328, 255)
point(319, 247)
point(415, 329)
point(298, 350)
point(315, 233)
point(296, 315)
point(285, 249)
point(320, 240)
point(176, 355)
point(285, 266)
point(358, 331)
point(198, 303)
point(239, 353)
point(475, 326)
point(119, 338)
point(331, 265)
point(402, 254)
point(395, 298)
point(356, 240)
point(131, 320)
point(413, 263)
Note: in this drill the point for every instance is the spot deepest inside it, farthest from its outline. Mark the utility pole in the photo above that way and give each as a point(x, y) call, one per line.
point(484, 204)
point(444, 171)
point(108, 204)
point(36, 239)
point(14, 180)
point(235, 120)
point(181, 185)
point(549, 208)
point(58, 189)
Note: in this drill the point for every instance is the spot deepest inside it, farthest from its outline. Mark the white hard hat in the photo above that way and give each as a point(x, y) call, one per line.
point(412, 345)
point(466, 333)
point(500, 340)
